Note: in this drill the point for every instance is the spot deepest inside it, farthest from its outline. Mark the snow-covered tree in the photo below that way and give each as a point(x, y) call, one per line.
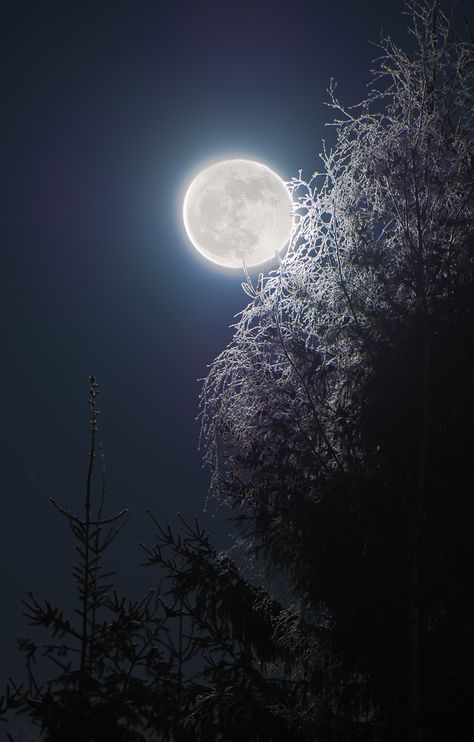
point(338, 421)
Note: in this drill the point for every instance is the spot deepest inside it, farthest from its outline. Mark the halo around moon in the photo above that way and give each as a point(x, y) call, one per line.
point(238, 212)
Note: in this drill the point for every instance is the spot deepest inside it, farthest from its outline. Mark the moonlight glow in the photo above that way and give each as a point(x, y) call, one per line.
point(238, 211)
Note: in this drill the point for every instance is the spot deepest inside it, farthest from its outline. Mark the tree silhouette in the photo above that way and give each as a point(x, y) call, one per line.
point(196, 659)
point(91, 696)
point(338, 420)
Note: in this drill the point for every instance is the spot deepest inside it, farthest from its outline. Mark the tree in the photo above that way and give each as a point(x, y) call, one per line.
point(196, 660)
point(338, 421)
point(92, 697)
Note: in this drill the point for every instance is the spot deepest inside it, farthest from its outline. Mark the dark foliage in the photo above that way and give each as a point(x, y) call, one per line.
point(197, 659)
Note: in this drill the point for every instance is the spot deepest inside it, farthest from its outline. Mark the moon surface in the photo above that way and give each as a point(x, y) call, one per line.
point(238, 212)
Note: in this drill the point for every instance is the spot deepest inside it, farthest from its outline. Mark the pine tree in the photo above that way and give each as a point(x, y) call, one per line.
point(195, 660)
point(91, 693)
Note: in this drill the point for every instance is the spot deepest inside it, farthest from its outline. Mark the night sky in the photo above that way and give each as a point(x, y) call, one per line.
point(107, 109)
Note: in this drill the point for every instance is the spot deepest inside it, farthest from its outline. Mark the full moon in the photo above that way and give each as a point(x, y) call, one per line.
point(238, 212)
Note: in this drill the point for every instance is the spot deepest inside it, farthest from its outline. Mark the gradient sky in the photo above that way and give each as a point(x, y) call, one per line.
point(108, 109)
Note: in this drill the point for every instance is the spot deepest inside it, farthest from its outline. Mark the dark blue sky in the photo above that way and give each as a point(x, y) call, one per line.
point(107, 109)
